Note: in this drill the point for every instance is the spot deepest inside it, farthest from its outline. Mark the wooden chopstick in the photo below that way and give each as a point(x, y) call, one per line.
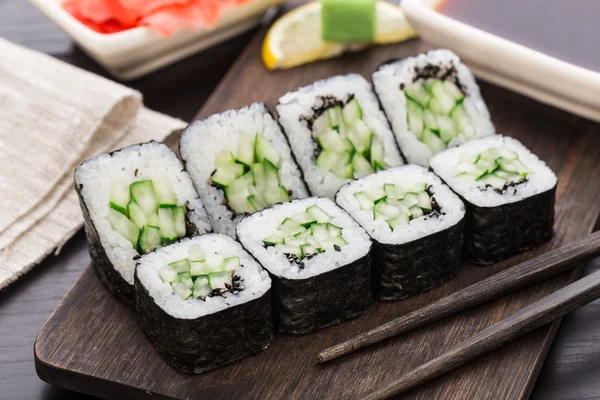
point(520, 276)
point(529, 318)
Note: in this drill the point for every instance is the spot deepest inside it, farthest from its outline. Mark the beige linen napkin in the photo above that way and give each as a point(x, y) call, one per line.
point(52, 117)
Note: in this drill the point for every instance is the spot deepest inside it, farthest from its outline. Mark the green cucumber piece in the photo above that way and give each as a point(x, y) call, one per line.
point(196, 254)
point(304, 219)
point(271, 175)
point(343, 169)
point(363, 131)
point(231, 263)
point(226, 175)
point(433, 142)
point(214, 262)
point(401, 219)
point(377, 154)
point(415, 188)
point(415, 117)
point(328, 244)
point(149, 239)
point(364, 201)
point(179, 221)
point(462, 120)
point(327, 159)
point(331, 140)
point(164, 194)
point(486, 165)
point(119, 196)
point(334, 230)
point(318, 214)
point(334, 117)
point(143, 194)
point(289, 249)
point(384, 207)
point(275, 238)
point(415, 212)
point(224, 159)
point(424, 201)
point(182, 290)
point(198, 268)
point(320, 232)
point(167, 226)
point(153, 220)
point(319, 124)
point(294, 241)
point(291, 227)
point(453, 91)
point(237, 194)
point(123, 226)
point(447, 128)
point(411, 199)
point(180, 266)
point(245, 149)
point(265, 151)
point(168, 275)
point(278, 195)
point(352, 112)
point(136, 214)
point(361, 166)
point(257, 202)
point(494, 181)
point(307, 249)
point(418, 93)
point(201, 287)
point(361, 146)
point(510, 177)
point(443, 102)
point(471, 169)
point(515, 166)
point(430, 121)
point(186, 279)
point(220, 280)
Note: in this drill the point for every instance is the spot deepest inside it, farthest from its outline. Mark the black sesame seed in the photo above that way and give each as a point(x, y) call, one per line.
point(337, 248)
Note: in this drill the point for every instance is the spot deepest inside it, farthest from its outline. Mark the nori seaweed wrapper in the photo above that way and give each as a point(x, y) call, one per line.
point(309, 304)
point(208, 342)
point(404, 270)
point(496, 233)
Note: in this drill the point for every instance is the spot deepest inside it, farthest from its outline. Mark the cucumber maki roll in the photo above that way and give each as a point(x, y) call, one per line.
point(318, 259)
point(203, 302)
point(416, 223)
point(432, 102)
point(133, 201)
point(337, 132)
point(241, 163)
point(509, 193)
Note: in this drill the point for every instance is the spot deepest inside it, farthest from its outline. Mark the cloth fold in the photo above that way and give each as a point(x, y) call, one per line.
point(53, 116)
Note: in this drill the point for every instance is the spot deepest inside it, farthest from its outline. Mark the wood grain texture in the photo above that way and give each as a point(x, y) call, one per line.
point(111, 352)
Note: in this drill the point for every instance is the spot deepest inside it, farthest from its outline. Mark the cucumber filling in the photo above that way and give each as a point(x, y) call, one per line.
point(498, 168)
point(306, 234)
point(435, 113)
point(146, 213)
point(398, 205)
point(347, 146)
point(250, 179)
point(203, 275)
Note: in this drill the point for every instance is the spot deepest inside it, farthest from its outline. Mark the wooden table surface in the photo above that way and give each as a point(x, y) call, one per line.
point(570, 371)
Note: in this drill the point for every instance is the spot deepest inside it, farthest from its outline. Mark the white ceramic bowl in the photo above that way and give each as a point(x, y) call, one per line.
point(505, 63)
point(139, 51)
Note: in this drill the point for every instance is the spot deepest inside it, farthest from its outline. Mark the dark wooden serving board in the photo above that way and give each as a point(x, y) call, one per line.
point(93, 344)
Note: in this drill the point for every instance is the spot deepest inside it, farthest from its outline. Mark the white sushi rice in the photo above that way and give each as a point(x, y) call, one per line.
point(255, 280)
point(452, 209)
point(294, 106)
point(253, 229)
point(540, 179)
point(151, 160)
point(203, 140)
point(387, 80)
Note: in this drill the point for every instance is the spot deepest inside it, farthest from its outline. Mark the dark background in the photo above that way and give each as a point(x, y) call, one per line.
point(571, 370)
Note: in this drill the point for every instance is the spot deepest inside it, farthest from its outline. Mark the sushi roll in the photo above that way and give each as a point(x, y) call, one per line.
point(416, 224)
point(337, 132)
point(203, 302)
point(133, 201)
point(241, 163)
point(509, 194)
point(318, 259)
point(432, 102)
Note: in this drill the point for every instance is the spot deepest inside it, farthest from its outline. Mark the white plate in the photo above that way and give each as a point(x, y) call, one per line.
point(139, 51)
point(505, 63)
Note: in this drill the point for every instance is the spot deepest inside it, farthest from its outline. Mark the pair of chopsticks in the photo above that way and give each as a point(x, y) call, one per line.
point(529, 318)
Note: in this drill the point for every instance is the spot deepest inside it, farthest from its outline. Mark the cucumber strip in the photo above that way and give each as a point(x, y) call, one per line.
point(401, 219)
point(143, 194)
point(149, 239)
point(214, 262)
point(307, 249)
point(461, 119)
point(220, 280)
point(168, 275)
point(289, 249)
point(494, 181)
point(416, 212)
point(510, 177)
point(257, 202)
point(275, 238)
point(487, 166)
point(364, 201)
point(320, 232)
point(182, 290)
point(153, 220)
point(333, 116)
point(196, 254)
point(418, 93)
point(411, 199)
point(237, 194)
point(468, 176)
point(447, 128)
point(453, 91)
point(393, 192)
point(424, 201)
point(432, 141)
point(388, 209)
point(304, 219)
point(291, 227)
point(180, 266)
point(179, 221)
point(260, 176)
point(361, 166)
point(470, 168)
point(231, 263)
point(352, 112)
point(329, 244)
point(198, 268)
point(415, 188)
point(271, 175)
point(318, 214)
point(334, 230)
point(360, 145)
point(319, 124)
point(167, 227)
point(226, 175)
point(378, 215)
point(279, 195)
point(265, 151)
point(327, 159)
point(377, 166)
point(331, 140)
point(245, 149)
point(363, 131)
point(429, 121)
point(443, 102)
point(164, 195)
point(513, 166)
point(201, 287)
point(186, 279)
point(136, 214)
point(123, 226)
point(343, 168)
point(415, 117)
point(224, 159)
point(119, 196)
point(377, 154)
point(294, 241)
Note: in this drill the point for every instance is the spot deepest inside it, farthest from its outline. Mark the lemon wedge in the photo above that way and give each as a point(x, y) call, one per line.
point(295, 38)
